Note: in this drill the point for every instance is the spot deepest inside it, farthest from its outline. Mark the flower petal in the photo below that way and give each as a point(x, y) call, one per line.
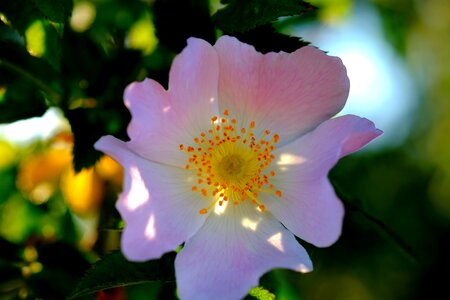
point(289, 94)
point(157, 204)
point(162, 120)
point(309, 206)
point(232, 250)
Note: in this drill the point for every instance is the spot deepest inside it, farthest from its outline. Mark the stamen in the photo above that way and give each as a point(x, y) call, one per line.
point(232, 167)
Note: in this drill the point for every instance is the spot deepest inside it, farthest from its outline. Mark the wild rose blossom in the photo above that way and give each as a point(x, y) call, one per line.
point(233, 160)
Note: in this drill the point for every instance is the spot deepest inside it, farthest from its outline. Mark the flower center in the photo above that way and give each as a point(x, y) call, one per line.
point(231, 164)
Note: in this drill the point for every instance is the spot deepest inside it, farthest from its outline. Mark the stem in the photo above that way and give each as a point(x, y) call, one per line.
point(400, 242)
point(350, 206)
point(54, 97)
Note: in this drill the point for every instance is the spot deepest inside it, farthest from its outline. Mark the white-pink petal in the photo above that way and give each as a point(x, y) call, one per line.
point(286, 93)
point(232, 250)
point(162, 120)
point(157, 204)
point(309, 207)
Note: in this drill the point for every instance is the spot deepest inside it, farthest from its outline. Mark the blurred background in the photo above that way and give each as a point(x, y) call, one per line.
point(67, 71)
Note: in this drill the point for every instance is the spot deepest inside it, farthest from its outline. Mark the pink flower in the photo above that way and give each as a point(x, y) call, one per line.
point(238, 146)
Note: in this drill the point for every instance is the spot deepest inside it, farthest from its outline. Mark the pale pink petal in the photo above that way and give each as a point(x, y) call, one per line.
point(309, 207)
point(232, 250)
point(157, 204)
point(288, 94)
point(162, 120)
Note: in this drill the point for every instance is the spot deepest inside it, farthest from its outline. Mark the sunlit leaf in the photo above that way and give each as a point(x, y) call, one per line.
point(18, 219)
point(35, 38)
point(8, 155)
point(142, 35)
point(42, 40)
point(115, 271)
point(261, 293)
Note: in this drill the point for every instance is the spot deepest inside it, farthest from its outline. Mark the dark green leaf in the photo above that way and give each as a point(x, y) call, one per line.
point(7, 34)
point(21, 13)
point(55, 10)
point(95, 83)
point(176, 21)
point(10, 251)
point(27, 82)
point(352, 207)
point(43, 40)
point(266, 39)
point(115, 271)
point(240, 16)
point(61, 263)
point(19, 101)
point(87, 129)
point(37, 27)
point(8, 270)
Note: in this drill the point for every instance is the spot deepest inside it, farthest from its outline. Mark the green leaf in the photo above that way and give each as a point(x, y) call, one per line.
point(240, 16)
point(94, 82)
point(55, 10)
point(26, 83)
point(62, 263)
point(20, 13)
point(176, 21)
point(266, 39)
point(350, 206)
point(42, 32)
point(19, 101)
point(86, 129)
point(261, 293)
point(19, 96)
point(43, 40)
point(115, 271)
